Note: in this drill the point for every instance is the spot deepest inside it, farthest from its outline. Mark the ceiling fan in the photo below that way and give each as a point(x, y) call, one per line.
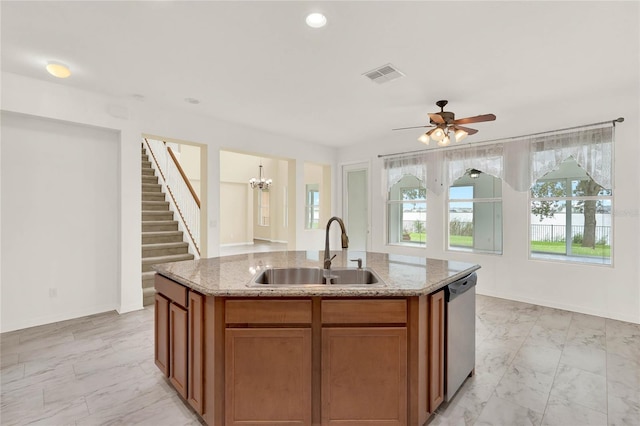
point(444, 122)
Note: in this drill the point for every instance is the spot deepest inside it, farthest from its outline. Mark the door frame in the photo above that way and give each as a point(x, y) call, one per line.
point(352, 167)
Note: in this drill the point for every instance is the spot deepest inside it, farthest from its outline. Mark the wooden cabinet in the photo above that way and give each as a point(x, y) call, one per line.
point(195, 350)
point(161, 333)
point(302, 361)
point(436, 349)
point(364, 362)
point(179, 338)
point(178, 351)
point(364, 376)
point(268, 376)
point(268, 362)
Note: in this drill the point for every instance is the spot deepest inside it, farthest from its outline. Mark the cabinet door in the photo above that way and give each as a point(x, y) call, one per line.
point(195, 352)
point(161, 334)
point(268, 376)
point(436, 349)
point(364, 376)
point(178, 348)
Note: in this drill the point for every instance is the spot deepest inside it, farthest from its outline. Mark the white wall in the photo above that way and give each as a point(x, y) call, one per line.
point(133, 119)
point(612, 292)
point(60, 224)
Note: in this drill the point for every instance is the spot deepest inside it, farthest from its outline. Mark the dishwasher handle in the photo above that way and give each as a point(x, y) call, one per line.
point(460, 286)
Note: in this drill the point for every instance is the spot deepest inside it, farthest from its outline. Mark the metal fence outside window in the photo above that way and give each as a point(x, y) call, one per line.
point(557, 233)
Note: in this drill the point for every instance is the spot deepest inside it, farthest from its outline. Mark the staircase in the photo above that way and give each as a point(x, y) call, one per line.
point(161, 240)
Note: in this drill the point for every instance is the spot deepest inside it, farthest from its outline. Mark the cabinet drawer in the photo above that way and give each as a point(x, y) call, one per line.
point(268, 311)
point(389, 311)
point(172, 290)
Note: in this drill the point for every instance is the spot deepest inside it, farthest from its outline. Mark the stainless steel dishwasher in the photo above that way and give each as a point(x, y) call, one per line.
point(460, 358)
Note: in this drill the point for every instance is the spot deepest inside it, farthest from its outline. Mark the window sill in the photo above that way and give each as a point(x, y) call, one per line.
point(572, 260)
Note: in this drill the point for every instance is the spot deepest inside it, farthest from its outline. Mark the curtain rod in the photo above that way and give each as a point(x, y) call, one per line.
point(613, 122)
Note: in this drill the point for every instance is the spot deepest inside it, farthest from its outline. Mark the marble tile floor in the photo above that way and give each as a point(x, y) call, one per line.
point(258, 246)
point(534, 365)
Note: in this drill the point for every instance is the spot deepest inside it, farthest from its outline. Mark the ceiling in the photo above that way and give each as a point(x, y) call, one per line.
point(258, 64)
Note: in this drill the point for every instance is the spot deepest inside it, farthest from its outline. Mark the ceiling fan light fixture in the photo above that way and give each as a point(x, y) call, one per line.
point(460, 134)
point(437, 134)
point(424, 138)
point(474, 173)
point(445, 141)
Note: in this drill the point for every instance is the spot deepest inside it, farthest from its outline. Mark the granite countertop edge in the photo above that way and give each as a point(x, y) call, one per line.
point(203, 276)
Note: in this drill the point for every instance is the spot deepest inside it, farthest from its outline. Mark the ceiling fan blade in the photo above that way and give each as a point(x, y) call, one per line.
point(476, 119)
point(469, 130)
point(436, 118)
point(414, 127)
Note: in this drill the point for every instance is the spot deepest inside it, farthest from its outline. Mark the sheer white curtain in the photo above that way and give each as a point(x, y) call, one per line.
point(591, 148)
point(520, 162)
point(486, 158)
point(398, 167)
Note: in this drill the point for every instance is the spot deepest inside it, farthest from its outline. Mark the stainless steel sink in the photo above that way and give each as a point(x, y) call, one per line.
point(315, 277)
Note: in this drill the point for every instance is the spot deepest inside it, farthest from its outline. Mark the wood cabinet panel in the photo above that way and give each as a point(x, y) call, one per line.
point(364, 311)
point(195, 353)
point(268, 312)
point(268, 376)
point(364, 376)
point(172, 290)
point(178, 352)
point(436, 349)
point(161, 334)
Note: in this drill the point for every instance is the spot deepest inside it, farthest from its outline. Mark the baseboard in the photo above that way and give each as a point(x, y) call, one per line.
point(130, 308)
point(49, 319)
point(236, 244)
point(563, 306)
point(271, 241)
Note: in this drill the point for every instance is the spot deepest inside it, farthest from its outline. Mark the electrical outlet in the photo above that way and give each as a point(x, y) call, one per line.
point(53, 292)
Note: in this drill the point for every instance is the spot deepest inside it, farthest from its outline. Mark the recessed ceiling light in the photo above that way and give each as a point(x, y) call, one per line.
point(138, 97)
point(59, 70)
point(191, 101)
point(316, 20)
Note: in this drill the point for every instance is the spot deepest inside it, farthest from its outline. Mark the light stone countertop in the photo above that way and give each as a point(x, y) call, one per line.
point(231, 275)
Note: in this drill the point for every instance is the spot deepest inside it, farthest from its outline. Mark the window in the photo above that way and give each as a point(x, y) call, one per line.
point(475, 213)
point(407, 212)
point(570, 217)
point(263, 207)
point(312, 206)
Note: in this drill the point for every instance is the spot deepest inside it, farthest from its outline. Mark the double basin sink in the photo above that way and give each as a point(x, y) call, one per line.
point(309, 277)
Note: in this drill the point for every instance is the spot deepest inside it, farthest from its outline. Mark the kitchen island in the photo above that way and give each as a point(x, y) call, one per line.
point(239, 352)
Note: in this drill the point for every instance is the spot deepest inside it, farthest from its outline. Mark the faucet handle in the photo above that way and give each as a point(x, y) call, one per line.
point(359, 260)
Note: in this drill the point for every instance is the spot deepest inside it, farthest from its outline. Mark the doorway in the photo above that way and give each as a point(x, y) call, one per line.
point(355, 204)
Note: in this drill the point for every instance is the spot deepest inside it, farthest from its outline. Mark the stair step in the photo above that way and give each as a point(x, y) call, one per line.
point(146, 164)
point(144, 157)
point(155, 205)
point(148, 279)
point(149, 179)
point(148, 172)
point(148, 296)
point(151, 187)
point(152, 196)
point(161, 237)
point(164, 249)
point(156, 215)
point(160, 225)
point(149, 261)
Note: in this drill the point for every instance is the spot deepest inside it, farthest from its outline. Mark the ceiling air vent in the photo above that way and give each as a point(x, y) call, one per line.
point(383, 74)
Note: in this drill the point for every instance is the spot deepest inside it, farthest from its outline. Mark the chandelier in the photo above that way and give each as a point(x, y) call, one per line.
point(260, 183)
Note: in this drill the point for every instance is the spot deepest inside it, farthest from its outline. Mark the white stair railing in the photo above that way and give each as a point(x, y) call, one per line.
point(181, 193)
